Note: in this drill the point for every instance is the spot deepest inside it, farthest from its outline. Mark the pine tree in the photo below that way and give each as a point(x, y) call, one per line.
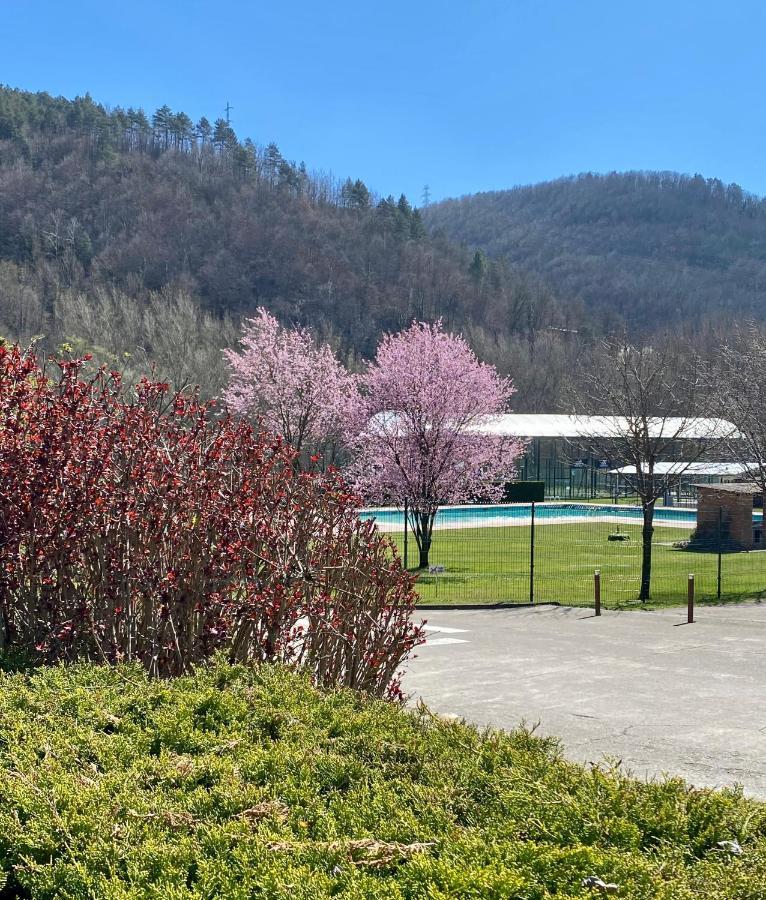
point(271, 163)
point(478, 268)
point(224, 137)
point(203, 131)
point(183, 130)
point(140, 128)
point(355, 195)
point(161, 121)
point(417, 228)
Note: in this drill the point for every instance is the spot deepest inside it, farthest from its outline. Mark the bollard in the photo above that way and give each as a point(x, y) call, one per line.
point(597, 590)
point(720, 534)
point(690, 601)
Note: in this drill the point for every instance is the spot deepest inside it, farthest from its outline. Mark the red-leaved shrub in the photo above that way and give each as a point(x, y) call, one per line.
point(156, 530)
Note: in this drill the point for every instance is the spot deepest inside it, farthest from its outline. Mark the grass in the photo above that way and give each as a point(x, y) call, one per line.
point(491, 564)
point(242, 783)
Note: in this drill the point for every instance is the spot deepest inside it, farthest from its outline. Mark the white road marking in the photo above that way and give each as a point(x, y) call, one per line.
point(433, 642)
point(444, 630)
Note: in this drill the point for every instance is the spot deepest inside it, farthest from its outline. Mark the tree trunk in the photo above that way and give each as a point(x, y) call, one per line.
point(425, 525)
point(646, 552)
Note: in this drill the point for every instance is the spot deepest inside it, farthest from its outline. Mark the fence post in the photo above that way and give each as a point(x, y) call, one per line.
point(690, 601)
point(720, 536)
point(406, 529)
point(597, 590)
point(532, 556)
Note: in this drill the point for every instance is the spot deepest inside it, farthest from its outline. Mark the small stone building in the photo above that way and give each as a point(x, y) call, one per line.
point(728, 509)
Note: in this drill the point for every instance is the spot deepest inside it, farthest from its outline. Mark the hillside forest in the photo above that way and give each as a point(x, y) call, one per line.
point(145, 240)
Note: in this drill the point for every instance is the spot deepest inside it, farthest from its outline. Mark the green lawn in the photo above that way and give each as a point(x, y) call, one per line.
point(485, 565)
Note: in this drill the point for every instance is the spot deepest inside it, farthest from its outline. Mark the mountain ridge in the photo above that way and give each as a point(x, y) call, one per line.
point(146, 239)
point(608, 239)
point(118, 227)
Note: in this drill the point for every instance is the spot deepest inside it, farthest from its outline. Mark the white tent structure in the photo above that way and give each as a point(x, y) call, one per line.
point(560, 451)
point(695, 469)
point(533, 425)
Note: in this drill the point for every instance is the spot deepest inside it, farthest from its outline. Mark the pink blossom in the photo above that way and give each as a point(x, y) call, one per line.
point(415, 427)
point(296, 387)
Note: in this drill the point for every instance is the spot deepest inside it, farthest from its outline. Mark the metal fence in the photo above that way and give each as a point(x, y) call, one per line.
point(550, 552)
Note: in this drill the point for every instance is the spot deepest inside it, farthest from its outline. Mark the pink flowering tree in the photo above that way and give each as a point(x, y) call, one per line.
point(416, 427)
point(296, 387)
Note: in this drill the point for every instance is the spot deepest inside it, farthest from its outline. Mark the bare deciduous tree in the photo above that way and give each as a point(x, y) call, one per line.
point(650, 403)
point(169, 335)
point(740, 389)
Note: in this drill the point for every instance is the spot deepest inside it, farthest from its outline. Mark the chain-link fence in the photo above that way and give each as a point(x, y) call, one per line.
point(550, 552)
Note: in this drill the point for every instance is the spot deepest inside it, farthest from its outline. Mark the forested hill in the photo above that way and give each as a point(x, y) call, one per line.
point(121, 229)
point(644, 248)
point(144, 238)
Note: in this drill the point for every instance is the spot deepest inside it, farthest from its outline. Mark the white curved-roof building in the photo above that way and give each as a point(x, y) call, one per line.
point(534, 425)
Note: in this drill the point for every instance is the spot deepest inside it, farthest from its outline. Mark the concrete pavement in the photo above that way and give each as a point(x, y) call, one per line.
point(645, 688)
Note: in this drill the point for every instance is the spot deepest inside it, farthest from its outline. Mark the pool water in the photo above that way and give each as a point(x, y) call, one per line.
point(518, 513)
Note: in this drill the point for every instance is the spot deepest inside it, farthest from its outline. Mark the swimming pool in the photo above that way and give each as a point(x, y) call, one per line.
point(390, 519)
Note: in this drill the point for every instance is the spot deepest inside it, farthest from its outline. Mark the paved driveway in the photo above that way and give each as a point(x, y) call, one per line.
point(641, 687)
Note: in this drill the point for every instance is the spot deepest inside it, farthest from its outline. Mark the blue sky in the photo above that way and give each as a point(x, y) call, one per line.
point(463, 96)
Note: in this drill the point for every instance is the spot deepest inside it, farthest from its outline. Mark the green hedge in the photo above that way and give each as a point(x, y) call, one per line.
point(250, 783)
